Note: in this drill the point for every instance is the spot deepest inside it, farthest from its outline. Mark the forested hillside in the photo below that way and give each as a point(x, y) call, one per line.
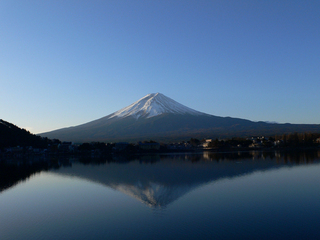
point(12, 136)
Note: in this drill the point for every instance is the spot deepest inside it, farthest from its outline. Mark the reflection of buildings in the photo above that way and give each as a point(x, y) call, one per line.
point(206, 155)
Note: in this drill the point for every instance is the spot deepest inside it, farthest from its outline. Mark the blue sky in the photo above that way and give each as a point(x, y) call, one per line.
point(64, 63)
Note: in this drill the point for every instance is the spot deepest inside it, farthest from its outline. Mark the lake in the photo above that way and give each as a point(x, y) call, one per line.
point(243, 195)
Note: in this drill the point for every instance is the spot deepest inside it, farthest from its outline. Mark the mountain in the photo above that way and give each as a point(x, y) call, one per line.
point(160, 118)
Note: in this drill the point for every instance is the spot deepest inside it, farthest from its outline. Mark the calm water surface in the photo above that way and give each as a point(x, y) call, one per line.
point(222, 196)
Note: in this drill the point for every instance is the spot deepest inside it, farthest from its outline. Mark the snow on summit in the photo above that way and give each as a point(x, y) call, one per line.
point(152, 105)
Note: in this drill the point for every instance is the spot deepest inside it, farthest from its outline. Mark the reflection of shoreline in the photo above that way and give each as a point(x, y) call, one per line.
point(43, 155)
point(152, 175)
point(285, 156)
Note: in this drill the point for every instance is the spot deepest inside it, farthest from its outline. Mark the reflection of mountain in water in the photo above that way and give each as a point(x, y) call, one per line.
point(153, 194)
point(163, 182)
point(155, 181)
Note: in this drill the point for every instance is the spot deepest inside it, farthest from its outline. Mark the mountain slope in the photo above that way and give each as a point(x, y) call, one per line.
point(158, 117)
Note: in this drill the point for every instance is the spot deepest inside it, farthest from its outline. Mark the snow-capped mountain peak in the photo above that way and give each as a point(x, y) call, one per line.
point(154, 104)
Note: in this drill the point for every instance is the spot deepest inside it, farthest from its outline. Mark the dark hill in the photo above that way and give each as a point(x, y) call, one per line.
point(12, 136)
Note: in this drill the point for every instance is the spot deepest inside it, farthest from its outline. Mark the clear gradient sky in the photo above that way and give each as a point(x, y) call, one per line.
point(64, 63)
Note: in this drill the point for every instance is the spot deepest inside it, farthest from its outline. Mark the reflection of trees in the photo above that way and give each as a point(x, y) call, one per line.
point(14, 171)
point(297, 157)
point(12, 174)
